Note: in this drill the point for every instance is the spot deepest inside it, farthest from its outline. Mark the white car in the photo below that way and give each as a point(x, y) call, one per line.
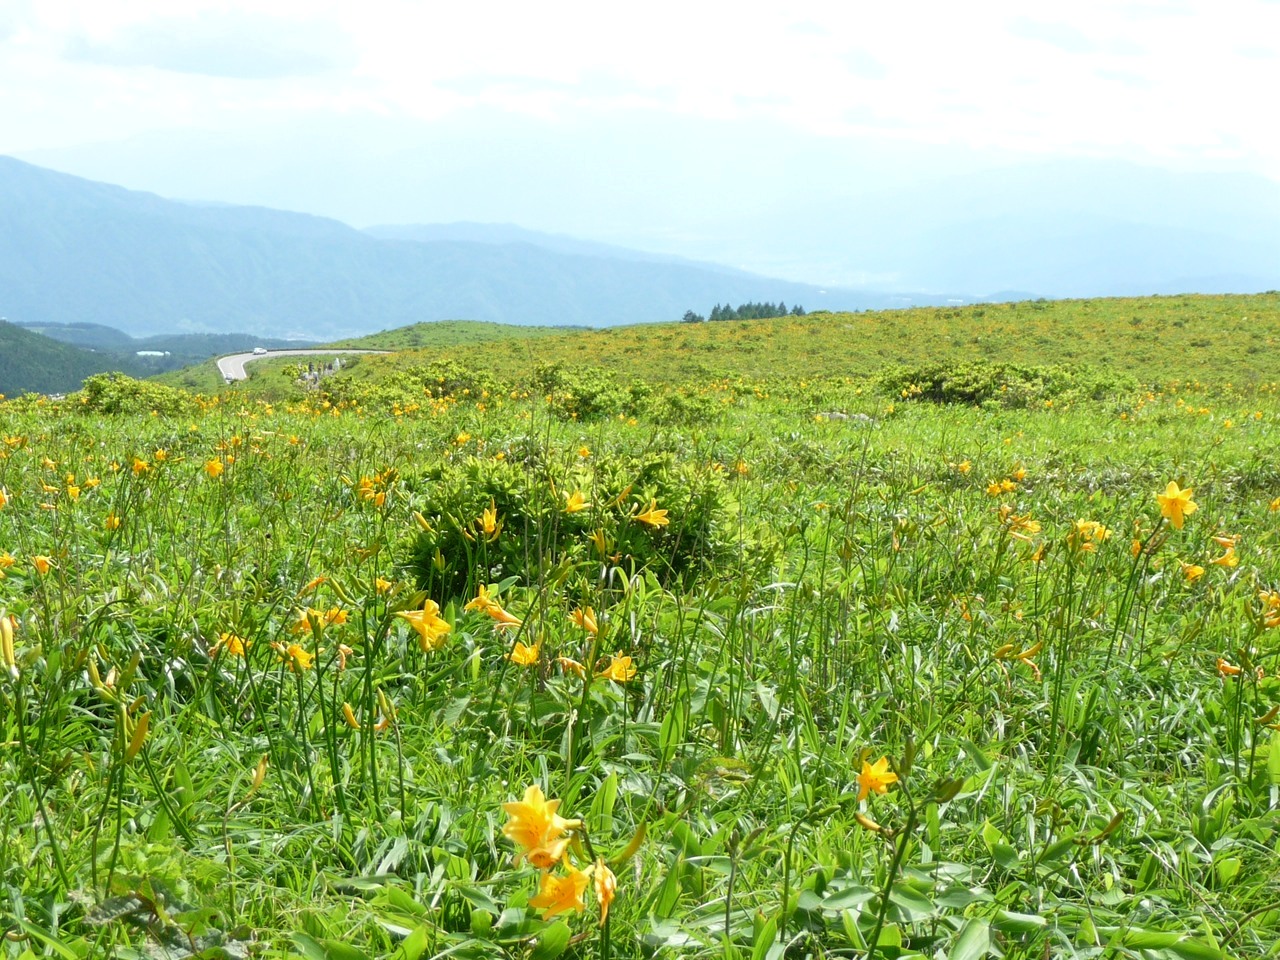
point(259, 351)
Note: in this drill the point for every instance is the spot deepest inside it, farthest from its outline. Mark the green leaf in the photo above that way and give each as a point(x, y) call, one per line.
point(974, 941)
point(1177, 944)
point(672, 732)
point(308, 947)
point(1005, 855)
point(314, 949)
point(54, 944)
point(414, 945)
point(551, 942)
point(766, 938)
point(991, 835)
point(402, 900)
point(1006, 921)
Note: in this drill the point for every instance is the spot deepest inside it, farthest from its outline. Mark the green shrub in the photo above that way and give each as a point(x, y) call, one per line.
point(682, 407)
point(117, 393)
point(1005, 384)
point(584, 393)
point(528, 499)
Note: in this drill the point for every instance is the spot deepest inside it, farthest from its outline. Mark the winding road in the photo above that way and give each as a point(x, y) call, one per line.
point(232, 367)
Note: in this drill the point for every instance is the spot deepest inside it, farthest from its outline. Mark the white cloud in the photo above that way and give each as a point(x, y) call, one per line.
point(1142, 79)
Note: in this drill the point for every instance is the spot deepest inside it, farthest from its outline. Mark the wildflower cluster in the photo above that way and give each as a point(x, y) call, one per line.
point(542, 838)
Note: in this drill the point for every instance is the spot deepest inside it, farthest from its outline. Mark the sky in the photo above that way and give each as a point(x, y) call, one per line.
point(670, 125)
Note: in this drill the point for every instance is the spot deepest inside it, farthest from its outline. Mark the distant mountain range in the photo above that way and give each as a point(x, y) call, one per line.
point(1074, 227)
point(507, 233)
point(76, 251)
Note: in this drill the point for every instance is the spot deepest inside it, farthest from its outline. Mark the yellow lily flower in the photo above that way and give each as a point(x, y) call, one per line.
point(432, 628)
point(652, 516)
point(1176, 504)
point(875, 777)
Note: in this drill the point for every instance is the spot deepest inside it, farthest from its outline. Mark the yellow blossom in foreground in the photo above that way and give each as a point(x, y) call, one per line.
point(481, 601)
point(42, 563)
point(586, 619)
point(619, 669)
point(501, 617)
point(489, 524)
point(1270, 608)
point(1228, 559)
point(1020, 527)
point(600, 542)
point(213, 468)
point(570, 665)
point(576, 502)
point(8, 655)
point(1176, 504)
point(652, 516)
point(1085, 535)
point(524, 654)
point(140, 466)
point(296, 657)
point(561, 894)
point(312, 584)
point(349, 715)
point(234, 645)
point(1227, 669)
point(1192, 571)
point(875, 777)
point(535, 827)
point(432, 628)
point(484, 603)
point(964, 466)
point(112, 522)
point(305, 621)
point(606, 886)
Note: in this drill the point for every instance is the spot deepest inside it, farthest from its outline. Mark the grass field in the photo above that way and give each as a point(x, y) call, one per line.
point(832, 666)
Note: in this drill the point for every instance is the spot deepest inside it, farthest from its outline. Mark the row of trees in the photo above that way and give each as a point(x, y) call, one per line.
point(746, 311)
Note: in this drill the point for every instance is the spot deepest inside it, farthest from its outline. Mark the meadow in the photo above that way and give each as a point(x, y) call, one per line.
point(495, 655)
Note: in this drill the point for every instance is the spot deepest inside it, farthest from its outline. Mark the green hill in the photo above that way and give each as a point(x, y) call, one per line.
point(30, 362)
point(1225, 338)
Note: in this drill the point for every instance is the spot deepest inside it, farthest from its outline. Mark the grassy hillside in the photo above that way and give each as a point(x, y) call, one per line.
point(35, 363)
point(55, 358)
point(89, 336)
point(953, 680)
point(1213, 338)
point(446, 333)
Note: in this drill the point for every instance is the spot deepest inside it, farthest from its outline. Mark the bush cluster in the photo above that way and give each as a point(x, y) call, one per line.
point(538, 534)
point(118, 393)
point(1004, 384)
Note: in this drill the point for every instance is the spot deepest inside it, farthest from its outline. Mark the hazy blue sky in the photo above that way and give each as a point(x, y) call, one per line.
point(665, 124)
